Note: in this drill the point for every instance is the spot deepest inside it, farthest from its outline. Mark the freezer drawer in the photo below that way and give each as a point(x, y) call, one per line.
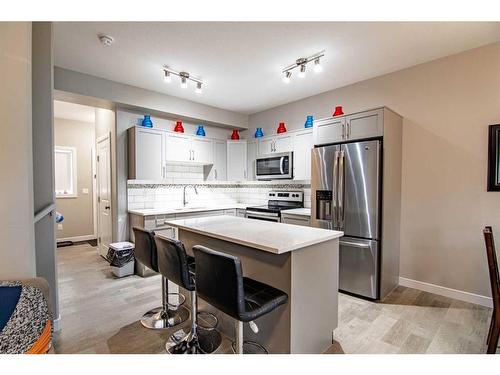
point(358, 266)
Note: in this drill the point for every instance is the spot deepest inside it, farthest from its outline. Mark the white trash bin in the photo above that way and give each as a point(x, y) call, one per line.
point(117, 249)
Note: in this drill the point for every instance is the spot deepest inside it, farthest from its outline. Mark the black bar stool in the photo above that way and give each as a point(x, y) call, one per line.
point(175, 265)
point(168, 315)
point(220, 282)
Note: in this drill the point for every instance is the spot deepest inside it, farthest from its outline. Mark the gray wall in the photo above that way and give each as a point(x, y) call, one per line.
point(17, 253)
point(43, 154)
point(447, 105)
point(78, 212)
point(136, 98)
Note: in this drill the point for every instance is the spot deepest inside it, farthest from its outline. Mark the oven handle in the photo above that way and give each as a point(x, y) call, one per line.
point(259, 213)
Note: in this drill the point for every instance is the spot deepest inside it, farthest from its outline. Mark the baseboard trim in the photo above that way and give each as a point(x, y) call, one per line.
point(78, 238)
point(57, 324)
point(447, 292)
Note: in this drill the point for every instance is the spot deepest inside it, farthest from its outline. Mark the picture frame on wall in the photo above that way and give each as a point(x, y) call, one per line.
point(494, 157)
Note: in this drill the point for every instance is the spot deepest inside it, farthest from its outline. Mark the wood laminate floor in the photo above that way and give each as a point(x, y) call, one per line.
point(100, 314)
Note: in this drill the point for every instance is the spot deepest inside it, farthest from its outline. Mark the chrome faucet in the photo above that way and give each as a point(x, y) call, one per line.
point(184, 200)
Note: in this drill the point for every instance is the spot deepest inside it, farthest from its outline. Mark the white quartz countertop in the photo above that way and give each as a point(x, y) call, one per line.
point(277, 238)
point(182, 210)
point(298, 211)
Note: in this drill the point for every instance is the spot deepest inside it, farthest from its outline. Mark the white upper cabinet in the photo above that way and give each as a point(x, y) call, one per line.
point(302, 146)
point(365, 124)
point(237, 160)
point(185, 148)
point(252, 147)
point(218, 170)
point(329, 130)
point(361, 125)
point(178, 147)
point(273, 144)
point(201, 149)
point(145, 154)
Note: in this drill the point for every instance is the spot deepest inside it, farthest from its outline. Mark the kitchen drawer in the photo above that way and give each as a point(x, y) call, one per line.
point(190, 215)
point(231, 212)
point(296, 220)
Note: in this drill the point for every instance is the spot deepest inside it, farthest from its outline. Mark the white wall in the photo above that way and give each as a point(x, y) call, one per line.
point(447, 106)
point(17, 252)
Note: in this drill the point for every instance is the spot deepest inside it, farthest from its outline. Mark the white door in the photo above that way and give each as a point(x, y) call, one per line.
point(251, 156)
point(283, 143)
point(218, 172)
point(149, 148)
point(104, 209)
point(177, 147)
point(201, 150)
point(302, 146)
point(236, 160)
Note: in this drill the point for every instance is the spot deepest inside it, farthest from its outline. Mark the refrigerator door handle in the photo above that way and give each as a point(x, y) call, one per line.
point(354, 244)
point(335, 190)
point(340, 189)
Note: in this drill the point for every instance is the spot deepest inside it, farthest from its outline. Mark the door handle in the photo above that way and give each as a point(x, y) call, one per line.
point(355, 244)
point(107, 207)
point(341, 190)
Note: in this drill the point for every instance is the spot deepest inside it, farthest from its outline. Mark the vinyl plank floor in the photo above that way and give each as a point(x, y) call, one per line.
point(100, 314)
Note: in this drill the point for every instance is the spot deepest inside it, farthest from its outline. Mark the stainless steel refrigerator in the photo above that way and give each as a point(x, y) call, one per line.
point(346, 194)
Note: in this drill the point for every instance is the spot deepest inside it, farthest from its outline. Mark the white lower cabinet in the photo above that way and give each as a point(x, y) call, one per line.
point(296, 219)
point(237, 160)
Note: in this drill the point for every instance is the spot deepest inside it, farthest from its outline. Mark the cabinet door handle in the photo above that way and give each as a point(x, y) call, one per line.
point(163, 171)
point(215, 172)
point(245, 174)
point(343, 131)
point(348, 130)
point(193, 154)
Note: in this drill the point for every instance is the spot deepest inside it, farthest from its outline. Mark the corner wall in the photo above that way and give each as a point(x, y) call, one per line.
point(447, 105)
point(17, 253)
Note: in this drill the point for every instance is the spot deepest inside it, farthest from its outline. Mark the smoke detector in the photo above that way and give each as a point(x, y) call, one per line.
point(106, 40)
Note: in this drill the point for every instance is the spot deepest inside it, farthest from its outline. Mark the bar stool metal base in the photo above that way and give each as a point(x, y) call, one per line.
point(160, 319)
point(184, 341)
point(250, 347)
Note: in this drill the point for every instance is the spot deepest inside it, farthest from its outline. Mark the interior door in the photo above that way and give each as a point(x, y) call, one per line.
point(104, 209)
point(360, 202)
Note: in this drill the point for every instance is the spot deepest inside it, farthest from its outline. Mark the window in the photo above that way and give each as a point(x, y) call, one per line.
point(65, 171)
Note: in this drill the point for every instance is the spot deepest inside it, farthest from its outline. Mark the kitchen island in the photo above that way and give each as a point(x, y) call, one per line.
point(301, 261)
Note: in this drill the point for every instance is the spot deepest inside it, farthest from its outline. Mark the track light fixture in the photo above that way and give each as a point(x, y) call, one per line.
point(301, 64)
point(184, 76)
point(286, 77)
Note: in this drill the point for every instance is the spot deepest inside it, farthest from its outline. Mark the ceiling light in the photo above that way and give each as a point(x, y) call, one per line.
point(302, 72)
point(287, 76)
point(317, 66)
point(301, 65)
point(167, 78)
point(168, 73)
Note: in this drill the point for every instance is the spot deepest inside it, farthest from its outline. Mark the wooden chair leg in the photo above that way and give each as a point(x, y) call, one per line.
point(495, 333)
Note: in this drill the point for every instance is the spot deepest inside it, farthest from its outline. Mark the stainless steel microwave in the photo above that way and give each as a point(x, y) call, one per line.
point(274, 166)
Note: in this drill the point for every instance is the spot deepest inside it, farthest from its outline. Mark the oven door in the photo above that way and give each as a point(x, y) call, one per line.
point(267, 216)
point(276, 166)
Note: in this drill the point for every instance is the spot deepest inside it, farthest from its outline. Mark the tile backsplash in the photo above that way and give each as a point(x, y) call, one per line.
point(145, 195)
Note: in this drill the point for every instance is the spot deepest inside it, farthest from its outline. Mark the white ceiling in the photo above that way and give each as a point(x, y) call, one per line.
point(75, 112)
point(241, 62)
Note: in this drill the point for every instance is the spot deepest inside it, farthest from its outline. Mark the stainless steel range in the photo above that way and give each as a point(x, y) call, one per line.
point(278, 201)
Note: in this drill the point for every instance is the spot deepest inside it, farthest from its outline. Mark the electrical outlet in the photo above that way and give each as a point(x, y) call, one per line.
point(59, 227)
point(85, 191)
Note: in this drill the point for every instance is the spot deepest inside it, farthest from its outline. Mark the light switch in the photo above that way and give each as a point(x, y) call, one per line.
point(59, 227)
point(85, 191)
